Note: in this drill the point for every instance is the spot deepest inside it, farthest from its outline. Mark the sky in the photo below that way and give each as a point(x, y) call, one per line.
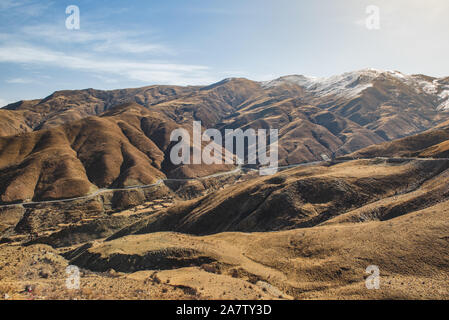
point(123, 44)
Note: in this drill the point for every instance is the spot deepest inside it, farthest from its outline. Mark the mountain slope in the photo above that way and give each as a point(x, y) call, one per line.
point(324, 262)
point(429, 144)
point(125, 146)
point(91, 138)
point(305, 197)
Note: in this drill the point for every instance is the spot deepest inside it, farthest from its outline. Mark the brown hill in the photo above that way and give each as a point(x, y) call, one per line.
point(86, 138)
point(339, 115)
point(324, 262)
point(201, 103)
point(430, 144)
point(306, 197)
point(69, 105)
point(125, 146)
point(238, 243)
point(391, 213)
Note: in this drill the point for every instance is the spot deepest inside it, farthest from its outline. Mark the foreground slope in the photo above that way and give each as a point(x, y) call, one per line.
point(325, 262)
point(387, 212)
point(306, 197)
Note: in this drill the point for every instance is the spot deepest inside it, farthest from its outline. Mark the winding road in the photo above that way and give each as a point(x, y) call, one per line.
point(237, 170)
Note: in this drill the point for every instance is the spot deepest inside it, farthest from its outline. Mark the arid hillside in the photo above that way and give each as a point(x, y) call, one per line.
point(324, 262)
point(73, 142)
point(433, 143)
point(126, 146)
point(385, 212)
point(308, 196)
point(86, 180)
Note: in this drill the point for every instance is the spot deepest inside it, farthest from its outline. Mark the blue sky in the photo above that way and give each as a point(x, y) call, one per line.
point(142, 42)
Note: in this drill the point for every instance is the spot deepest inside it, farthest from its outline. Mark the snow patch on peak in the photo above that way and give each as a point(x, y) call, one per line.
point(434, 87)
point(397, 74)
point(351, 84)
point(444, 102)
point(444, 94)
point(429, 87)
point(303, 81)
point(348, 84)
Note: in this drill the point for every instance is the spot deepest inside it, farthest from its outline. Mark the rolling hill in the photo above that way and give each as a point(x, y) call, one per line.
point(73, 142)
point(380, 198)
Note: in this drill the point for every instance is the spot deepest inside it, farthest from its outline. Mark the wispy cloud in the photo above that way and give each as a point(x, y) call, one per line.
point(133, 47)
point(145, 71)
point(115, 41)
point(98, 50)
point(24, 7)
point(107, 80)
point(107, 55)
point(8, 4)
point(20, 81)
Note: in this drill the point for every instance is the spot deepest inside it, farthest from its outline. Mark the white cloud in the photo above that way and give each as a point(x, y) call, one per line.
point(145, 71)
point(107, 80)
point(24, 7)
point(19, 81)
point(119, 41)
point(132, 47)
point(110, 56)
point(9, 4)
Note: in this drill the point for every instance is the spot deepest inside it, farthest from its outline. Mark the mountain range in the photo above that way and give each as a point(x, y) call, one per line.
point(86, 180)
point(72, 143)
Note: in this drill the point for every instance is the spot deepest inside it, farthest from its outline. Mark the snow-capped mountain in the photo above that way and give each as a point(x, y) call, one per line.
point(435, 86)
point(348, 84)
point(352, 84)
point(74, 141)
